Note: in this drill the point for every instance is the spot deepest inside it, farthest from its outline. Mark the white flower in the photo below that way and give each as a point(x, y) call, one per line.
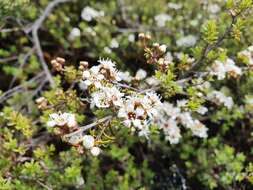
point(99, 99)
point(71, 120)
point(187, 41)
point(125, 76)
point(88, 141)
point(186, 119)
point(107, 66)
point(82, 85)
point(170, 110)
point(250, 48)
point(130, 114)
point(93, 77)
point(114, 43)
point(75, 139)
point(75, 33)
point(213, 8)
point(144, 130)
point(248, 54)
point(220, 98)
point(175, 6)
point(181, 56)
point(90, 31)
point(95, 151)
point(106, 97)
point(199, 130)
point(172, 132)
point(88, 14)
point(218, 69)
point(163, 48)
point(107, 50)
point(168, 57)
point(59, 119)
point(182, 103)
point(151, 103)
point(249, 99)
point(136, 111)
point(152, 81)
point(232, 68)
point(141, 74)
point(202, 110)
point(228, 102)
point(131, 38)
point(161, 19)
point(96, 74)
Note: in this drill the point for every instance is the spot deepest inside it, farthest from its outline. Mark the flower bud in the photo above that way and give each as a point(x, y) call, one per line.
point(148, 37)
point(156, 45)
point(83, 65)
point(56, 65)
point(41, 102)
point(75, 139)
point(141, 74)
point(95, 151)
point(60, 60)
point(141, 36)
point(160, 61)
point(88, 141)
point(163, 48)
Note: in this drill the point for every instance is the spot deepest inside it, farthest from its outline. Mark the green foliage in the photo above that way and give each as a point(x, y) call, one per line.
point(210, 32)
point(33, 158)
point(168, 84)
point(9, 7)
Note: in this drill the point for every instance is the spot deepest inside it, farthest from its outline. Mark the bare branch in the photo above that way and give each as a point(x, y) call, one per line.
point(34, 29)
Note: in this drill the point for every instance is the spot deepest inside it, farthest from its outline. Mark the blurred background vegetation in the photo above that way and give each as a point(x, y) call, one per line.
point(32, 160)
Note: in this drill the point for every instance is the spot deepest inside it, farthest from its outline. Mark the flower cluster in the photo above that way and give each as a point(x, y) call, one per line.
point(247, 56)
point(107, 97)
point(97, 74)
point(140, 109)
point(219, 98)
point(171, 117)
point(62, 119)
point(65, 123)
point(89, 143)
point(220, 69)
point(187, 41)
point(89, 13)
point(161, 19)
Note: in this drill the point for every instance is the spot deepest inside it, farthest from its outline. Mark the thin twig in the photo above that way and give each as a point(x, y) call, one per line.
point(44, 185)
point(209, 48)
point(126, 86)
point(7, 59)
point(20, 88)
point(35, 28)
point(26, 57)
point(86, 127)
point(8, 30)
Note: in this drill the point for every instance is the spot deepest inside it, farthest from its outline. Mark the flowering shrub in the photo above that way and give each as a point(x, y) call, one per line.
point(148, 95)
